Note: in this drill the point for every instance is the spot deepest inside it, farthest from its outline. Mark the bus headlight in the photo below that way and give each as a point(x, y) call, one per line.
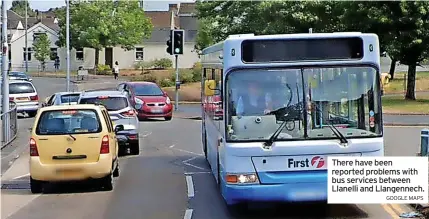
point(250, 178)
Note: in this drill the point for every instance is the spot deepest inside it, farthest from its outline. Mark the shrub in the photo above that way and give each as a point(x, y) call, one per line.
point(185, 76)
point(166, 83)
point(196, 71)
point(163, 63)
point(104, 70)
point(145, 77)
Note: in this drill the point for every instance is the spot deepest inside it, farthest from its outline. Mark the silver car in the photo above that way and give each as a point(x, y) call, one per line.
point(25, 95)
point(120, 112)
point(62, 98)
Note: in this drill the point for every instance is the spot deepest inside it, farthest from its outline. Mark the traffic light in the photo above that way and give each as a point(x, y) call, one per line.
point(169, 46)
point(178, 40)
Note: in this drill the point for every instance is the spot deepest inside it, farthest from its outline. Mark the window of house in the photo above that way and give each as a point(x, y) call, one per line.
point(139, 53)
point(37, 35)
point(30, 51)
point(54, 53)
point(79, 54)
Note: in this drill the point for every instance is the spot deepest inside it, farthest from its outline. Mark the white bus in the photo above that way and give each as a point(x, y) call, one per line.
point(275, 106)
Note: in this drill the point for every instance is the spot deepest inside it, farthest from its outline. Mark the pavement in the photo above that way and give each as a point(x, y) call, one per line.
point(169, 179)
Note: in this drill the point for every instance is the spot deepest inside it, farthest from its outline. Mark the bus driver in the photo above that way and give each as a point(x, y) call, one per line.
point(254, 102)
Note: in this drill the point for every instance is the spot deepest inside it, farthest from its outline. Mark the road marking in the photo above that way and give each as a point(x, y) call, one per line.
point(171, 146)
point(190, 152)
point(192, 173)
point(145, 135)
point(185, 161)
point(397, 208)
point(28, 174)
point(406, 126)
point(190, 186)
point(194, 166)
point(389, 210)
point(188, 214)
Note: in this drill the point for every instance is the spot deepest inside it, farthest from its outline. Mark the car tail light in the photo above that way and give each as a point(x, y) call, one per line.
point(34, 97)
point(168, 101)
point(104, 145)
point(33, 148)
point(129, 113)
point(132, 137)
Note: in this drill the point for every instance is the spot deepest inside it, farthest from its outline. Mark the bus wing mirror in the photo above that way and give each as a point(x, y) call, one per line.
point(209, 87)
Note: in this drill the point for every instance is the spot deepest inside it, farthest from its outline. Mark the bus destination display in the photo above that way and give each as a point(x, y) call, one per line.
point(284, 50)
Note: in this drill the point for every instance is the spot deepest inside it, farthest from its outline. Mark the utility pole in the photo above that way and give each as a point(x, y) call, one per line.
point(68, 43)
point(5, 65)
point(26, 32)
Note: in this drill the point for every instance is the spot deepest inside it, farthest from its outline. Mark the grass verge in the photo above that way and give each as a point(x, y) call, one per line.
point(398, 104)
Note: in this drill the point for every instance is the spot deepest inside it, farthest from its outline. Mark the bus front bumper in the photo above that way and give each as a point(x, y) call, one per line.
point(287, 192)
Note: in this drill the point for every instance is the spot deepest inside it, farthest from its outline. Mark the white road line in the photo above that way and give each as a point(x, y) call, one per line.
point(188, 214)
point(190, 152)
point(171, 146)
point(193, 158)
point(194, 166)
point(28, 174)
point(190, 186)
point(145, 135)
point(192, 173)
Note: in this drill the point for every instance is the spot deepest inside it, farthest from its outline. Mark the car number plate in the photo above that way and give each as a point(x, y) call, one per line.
point(156, 110)
point(22, 98)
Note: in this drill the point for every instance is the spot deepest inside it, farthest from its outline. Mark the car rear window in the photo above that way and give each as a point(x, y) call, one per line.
point(147, 90)
point(111, 103)
point(70, 121)
point(69, 98)
point(21, 88)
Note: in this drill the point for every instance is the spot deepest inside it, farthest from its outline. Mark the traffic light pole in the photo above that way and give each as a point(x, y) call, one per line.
point(176, 102)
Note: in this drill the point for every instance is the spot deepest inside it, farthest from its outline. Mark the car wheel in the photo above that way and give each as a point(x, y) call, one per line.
point(135, 149)
point(116, 171)
point(32, 114)
point(168, 118)
point(36, 186)
point(107, 182)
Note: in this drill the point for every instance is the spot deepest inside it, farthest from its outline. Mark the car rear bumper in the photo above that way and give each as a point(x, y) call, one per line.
point(127, 138)
point(70, 171)
point(27, 108)
point(285, 192)
point(144, 115)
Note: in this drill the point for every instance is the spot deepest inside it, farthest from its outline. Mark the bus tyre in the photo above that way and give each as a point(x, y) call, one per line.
point(36, 186)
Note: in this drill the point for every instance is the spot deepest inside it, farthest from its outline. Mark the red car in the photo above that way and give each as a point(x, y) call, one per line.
point(213, 104)
point(148, 99)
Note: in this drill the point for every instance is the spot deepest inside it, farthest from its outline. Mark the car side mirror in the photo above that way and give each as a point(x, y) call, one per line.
point(119, 128)
point(30, 79)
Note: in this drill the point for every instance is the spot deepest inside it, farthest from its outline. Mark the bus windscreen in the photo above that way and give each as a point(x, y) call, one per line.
point(288, 50)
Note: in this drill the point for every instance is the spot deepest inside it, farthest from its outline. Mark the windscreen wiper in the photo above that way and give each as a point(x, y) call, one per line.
point(274, 136)
point(334, 129)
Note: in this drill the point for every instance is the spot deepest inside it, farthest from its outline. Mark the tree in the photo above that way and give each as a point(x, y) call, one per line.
point(101, 24)
point(42, 49)
point(18, 6)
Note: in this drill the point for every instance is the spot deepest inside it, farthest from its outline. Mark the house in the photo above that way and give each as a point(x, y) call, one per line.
point(179, 16)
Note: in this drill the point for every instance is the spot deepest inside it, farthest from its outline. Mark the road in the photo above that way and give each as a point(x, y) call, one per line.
point(168, 180)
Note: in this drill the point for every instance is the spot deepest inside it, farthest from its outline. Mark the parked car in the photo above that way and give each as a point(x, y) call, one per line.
point(148, 99)
point(25, 95)
point(62, 98)
point(70, 143)
point(16, 75)
point(121, 112)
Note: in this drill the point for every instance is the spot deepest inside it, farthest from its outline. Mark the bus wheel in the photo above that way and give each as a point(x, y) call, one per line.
point(205, 144)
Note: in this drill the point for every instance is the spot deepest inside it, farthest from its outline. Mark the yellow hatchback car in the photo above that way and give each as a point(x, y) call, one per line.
point(73, 143)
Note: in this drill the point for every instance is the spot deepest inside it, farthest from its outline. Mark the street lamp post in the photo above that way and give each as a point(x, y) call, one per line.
point(4, 67)
point(68, 43)
point(26, 32)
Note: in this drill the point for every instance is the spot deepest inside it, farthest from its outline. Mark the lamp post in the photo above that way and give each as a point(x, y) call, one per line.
point(68, 43)
point(26, 32)
point(4, 67)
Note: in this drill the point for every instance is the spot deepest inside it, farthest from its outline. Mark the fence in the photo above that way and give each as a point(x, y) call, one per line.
point(11, 118)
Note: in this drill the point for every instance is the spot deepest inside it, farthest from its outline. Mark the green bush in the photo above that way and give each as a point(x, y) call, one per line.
point(185, 76)
point(145, 77)
point(196, 71)
point(163, 63)
point(104, 70)
point(166, 83)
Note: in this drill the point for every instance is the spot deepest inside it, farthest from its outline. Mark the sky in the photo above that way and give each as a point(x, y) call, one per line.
point(152, 5)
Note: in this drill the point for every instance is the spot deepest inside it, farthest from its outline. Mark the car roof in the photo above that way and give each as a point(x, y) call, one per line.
point(102, 93)
point(67, 93)
point(68, 107)
point(141, 83)
point(19, 81)
point(17, 72)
